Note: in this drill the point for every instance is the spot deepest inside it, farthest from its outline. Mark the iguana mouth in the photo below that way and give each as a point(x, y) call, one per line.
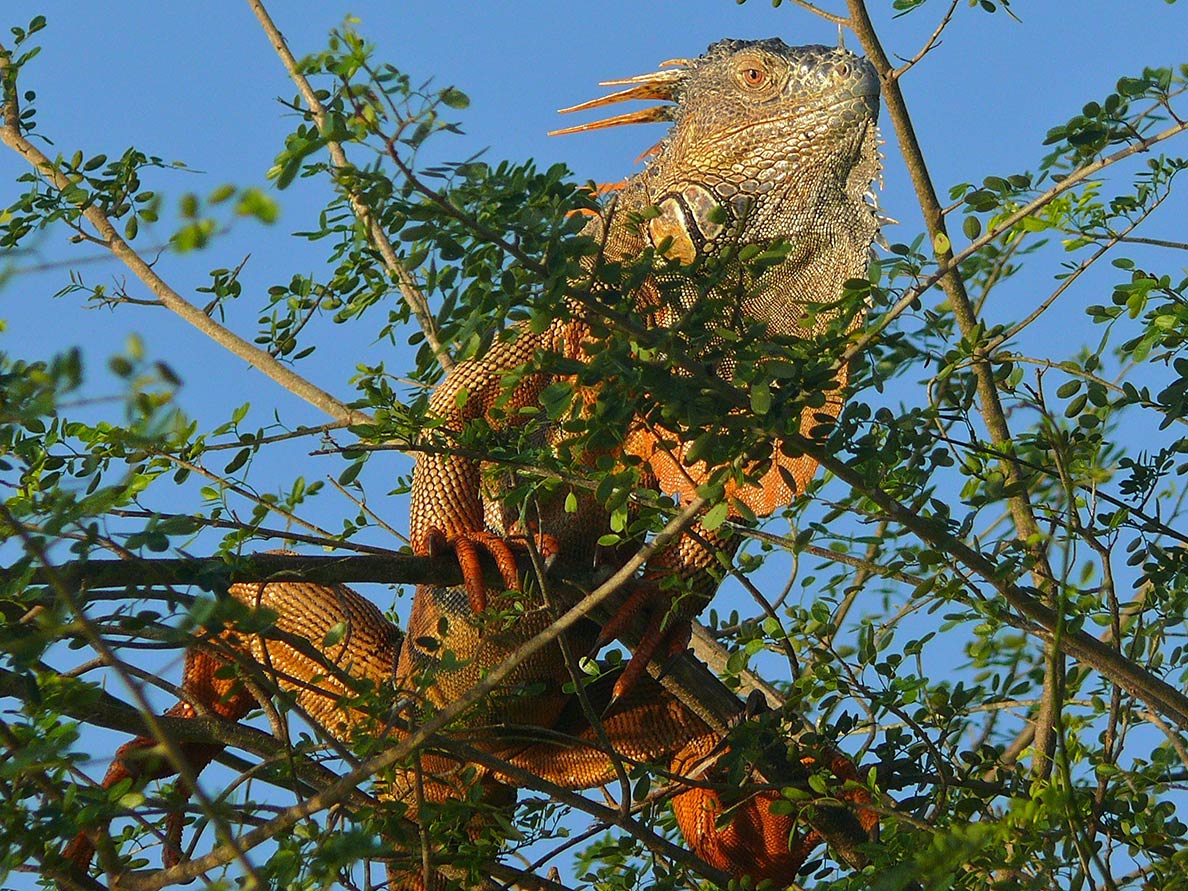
point(807, 109)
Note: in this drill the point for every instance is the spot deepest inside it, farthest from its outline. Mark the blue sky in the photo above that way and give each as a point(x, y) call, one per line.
point(198, 83)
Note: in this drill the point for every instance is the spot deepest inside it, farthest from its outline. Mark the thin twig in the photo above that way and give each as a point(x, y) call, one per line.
point(375, 232)
point(840, 21)
point(930, 44)
point(109, 237)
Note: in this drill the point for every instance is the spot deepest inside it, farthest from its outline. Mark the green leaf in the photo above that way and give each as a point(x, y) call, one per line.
point(1065, 390)
point(240, 459)
point(642, 787)
point(221, 194)
point(760, 398)
point(454, 98)
point(335, 634)
point(349, 475)
point(256, 203)
point(715, 516)
point(132, 800)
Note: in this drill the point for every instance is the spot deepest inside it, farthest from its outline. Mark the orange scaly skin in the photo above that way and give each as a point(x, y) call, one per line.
point(769, 142)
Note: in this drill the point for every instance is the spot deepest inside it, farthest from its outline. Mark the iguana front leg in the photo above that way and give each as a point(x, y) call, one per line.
point(450, 505)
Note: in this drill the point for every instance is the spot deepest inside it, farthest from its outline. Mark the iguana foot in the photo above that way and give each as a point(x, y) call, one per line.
point(753, 841)
point(469, 548)
point(744, 837)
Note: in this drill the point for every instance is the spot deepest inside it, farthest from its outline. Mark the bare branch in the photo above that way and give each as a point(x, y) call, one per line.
point(930, 44)
point(840, 21)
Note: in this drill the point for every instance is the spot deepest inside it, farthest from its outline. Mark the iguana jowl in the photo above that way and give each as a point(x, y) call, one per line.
point(769, 143)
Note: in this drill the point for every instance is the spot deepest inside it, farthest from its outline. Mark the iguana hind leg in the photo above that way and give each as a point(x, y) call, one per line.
point(326, 680)
point(206, 682)
point(734, 832)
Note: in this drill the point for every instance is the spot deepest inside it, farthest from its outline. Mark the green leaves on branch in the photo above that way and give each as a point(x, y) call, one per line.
point(1132, 111)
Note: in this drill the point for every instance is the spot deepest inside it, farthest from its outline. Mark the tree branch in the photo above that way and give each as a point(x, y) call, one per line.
point(409, 289)
point(993, 416)
point(214, 571)
point(1160, 696)
point(11, 136)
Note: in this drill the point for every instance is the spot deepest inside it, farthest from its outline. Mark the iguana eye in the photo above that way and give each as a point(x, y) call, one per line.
point(754, 77)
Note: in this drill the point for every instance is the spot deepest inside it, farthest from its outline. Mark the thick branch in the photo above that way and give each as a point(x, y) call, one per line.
point(687, 678)
point(208, 572)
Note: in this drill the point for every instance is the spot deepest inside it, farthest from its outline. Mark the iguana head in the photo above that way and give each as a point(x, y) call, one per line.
point(765, 137)
point(769, 143)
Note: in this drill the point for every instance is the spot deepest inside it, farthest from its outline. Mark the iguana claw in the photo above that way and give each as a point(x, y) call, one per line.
point(657, 638)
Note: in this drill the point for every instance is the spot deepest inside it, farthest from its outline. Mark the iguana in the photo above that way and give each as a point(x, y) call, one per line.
point(769, 144)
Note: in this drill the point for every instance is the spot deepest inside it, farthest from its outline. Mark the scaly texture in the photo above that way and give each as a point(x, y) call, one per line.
point(769, 143)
